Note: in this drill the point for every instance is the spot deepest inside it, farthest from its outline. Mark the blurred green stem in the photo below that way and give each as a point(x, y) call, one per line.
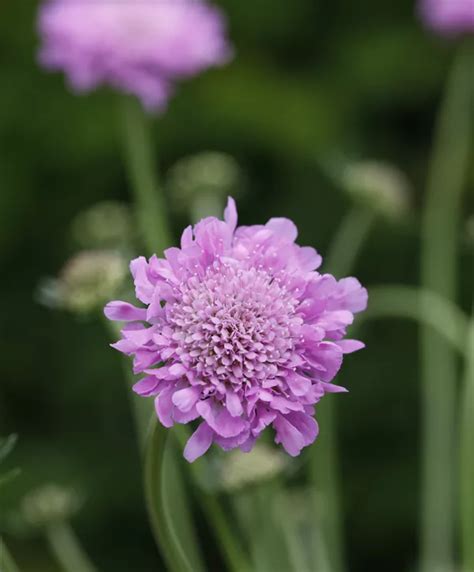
point(157, 501)
point(467, 458)
point(7, 564)
point(439, 260)
point(67, 549)
point(324, 466)
point(209, 502)
point(428, 309)
point(150, 206)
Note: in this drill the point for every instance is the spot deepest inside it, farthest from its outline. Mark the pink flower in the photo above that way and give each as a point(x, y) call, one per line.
point(141, 48)
point(448, 17)
point(238, 331)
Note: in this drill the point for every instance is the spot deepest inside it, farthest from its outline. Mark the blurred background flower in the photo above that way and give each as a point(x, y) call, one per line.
point(138, 48)
point(448, 17)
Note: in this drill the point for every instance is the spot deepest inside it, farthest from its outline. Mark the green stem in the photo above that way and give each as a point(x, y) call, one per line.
point(348, 241)
point(428, 309)
point(324, 466)
point(212, 508)
point(157, 502)
point(67, 549)
point(150, 205)
point(439, 274)
point(467, 458)
point(7, 564)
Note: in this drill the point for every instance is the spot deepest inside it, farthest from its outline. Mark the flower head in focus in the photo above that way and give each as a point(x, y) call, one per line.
point(240, 331)
point(140, 48)
point(448, 17)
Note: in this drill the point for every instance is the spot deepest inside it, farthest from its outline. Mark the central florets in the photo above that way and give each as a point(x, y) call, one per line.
point(234, 326)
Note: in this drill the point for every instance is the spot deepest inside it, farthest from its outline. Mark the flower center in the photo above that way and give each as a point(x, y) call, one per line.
point(235, 327)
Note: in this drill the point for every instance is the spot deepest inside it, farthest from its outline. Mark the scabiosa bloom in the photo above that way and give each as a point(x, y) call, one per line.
point(239, 331)
point(448, 17)
point(141, 48)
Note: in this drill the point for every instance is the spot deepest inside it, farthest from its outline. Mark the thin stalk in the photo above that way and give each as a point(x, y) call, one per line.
point(150, 206)
point(324, 465)
point(428, 309)
point(439, 260)
point(349, 240)
point(467, 459)
point(232, 551)
point(157, 504)
point(7, 564)
point(67, 549)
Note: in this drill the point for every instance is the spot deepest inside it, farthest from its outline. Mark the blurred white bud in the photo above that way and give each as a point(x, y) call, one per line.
point(86, 282)
point(50, 504)
point(379, 186)
point(242, 469)
point(107, 224)
point(202, 182)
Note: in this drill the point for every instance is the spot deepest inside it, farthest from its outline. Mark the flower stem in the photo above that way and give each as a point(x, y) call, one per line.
point(7, 564)
point(150, 206)
point(324, 466)
point(428, 309)
point(467, 458)
point(211, 507)
point(67, 549)
point(439, 274)
point(157, 502)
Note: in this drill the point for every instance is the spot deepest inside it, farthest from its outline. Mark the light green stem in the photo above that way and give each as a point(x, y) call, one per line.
point(7, 564)
point(150, 206)
point(349, 240)
point(427, 308)
point(67, 549)
point(439, 274)
point(234, 555)
point(467, 458)
point(157, 502)
point(324, 465)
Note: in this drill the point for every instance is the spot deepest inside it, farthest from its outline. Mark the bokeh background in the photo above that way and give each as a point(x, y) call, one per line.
point(312, 82)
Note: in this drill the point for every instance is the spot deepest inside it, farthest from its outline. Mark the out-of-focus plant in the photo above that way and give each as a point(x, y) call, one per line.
point(86, 281)
point(7, 445)
point(106, 225)
point(199, 185)
point(49, 509)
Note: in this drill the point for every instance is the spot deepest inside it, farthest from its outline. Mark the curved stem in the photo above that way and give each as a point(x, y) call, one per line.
point(150, 205)
point(429, 309)
point(324, 466)
point(67, 549)
point(467, 458)
point(439, 274)
point(7, 564)
point(157, 505)
point(211, 507)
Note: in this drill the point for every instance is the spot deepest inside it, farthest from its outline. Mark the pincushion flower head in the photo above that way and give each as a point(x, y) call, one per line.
point(238, 331)
point(140, 48)
point(448, 17)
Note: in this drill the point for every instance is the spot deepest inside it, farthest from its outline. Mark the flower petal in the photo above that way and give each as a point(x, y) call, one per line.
point(198, 443)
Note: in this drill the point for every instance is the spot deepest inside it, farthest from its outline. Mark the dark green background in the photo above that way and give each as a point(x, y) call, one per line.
point(310, 79)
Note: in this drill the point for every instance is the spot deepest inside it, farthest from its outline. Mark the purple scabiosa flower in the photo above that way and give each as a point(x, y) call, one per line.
point(141, 48)
point(240, 331)
point(448, 17)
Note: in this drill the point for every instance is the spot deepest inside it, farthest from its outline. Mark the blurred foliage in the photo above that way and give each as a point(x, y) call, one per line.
point(311, 80)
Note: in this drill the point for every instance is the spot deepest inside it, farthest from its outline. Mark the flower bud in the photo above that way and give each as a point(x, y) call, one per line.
point(243, 469)
point(379, 186)
point(50, 504)
point(107, 224)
